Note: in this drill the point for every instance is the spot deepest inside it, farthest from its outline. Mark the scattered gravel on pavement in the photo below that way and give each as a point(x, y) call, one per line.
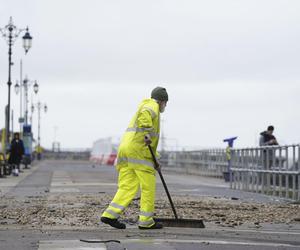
point(85, 210)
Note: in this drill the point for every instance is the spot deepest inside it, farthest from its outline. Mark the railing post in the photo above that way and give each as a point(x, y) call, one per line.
point(231, 164)
point(294, 170)
point(286, 175)
point(255, 168)
point(247, 173)
point(274, 168)
point(280, 187)
point(268, 166)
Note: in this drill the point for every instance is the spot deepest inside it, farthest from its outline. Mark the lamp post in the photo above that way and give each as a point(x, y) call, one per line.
point(10, 33)
point(19, 88)
point(26, 84)
point(27, 129)
point(39, 106)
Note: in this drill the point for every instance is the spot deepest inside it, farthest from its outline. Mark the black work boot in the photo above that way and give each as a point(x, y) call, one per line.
point(113, 222)
point(156, 225)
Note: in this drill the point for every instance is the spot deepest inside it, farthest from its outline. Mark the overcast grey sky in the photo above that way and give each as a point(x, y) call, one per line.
point(231, 67)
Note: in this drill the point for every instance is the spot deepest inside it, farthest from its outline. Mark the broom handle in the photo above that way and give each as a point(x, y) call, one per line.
point(163, 181)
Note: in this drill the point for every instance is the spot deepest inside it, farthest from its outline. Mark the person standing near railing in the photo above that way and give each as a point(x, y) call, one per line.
point(268, 139)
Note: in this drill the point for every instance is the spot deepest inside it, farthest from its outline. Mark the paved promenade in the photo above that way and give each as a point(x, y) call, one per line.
point(56, 203)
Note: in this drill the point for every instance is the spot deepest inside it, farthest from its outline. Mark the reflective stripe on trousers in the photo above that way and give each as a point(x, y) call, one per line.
point(146, 214)
point(114, 214)
point(113, 211)
point(115, 205)
point(145, 219)
point(147, 223)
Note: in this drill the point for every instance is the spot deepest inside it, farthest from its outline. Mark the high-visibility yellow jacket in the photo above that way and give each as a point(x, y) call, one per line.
point(132, 148)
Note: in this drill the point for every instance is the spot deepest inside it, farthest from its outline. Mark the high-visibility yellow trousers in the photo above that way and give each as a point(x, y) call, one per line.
point(129, 181)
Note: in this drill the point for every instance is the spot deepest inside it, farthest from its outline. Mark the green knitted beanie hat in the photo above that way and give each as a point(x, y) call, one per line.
point(160, 94)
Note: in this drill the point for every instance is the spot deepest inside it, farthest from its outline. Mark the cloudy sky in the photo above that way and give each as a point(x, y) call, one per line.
point(231, 67)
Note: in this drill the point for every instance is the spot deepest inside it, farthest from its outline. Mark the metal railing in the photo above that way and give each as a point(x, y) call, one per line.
point(273, 170)
point(208, 162)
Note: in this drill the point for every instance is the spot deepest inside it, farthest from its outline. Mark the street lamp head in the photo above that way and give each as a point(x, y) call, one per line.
point(35, 87)
point(27, 41)
point(25, 81)
point(17, 87)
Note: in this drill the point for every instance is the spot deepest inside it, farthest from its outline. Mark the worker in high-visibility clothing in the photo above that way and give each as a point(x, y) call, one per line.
point(135, 164)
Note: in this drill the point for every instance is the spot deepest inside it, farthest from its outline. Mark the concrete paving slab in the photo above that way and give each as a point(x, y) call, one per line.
point(6, 184)
point(70, 245)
